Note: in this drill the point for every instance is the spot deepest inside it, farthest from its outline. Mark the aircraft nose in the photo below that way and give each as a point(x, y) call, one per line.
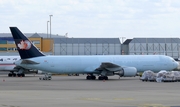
point(176, 64)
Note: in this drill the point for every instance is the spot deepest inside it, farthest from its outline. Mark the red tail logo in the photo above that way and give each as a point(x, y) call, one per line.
point(24, 45)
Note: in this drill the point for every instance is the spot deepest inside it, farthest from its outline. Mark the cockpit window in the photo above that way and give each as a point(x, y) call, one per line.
point(172, 60)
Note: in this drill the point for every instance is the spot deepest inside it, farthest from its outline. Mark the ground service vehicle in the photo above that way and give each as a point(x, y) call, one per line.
point(45, 77)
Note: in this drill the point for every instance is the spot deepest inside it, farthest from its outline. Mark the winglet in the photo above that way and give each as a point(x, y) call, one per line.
point(24, 46)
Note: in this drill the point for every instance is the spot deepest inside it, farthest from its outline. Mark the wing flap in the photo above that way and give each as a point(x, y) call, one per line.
point(107, 66)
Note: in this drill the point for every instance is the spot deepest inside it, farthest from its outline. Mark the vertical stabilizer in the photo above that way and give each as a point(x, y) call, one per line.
point(24, 46)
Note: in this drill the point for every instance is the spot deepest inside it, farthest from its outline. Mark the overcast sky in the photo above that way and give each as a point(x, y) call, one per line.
point(93, 18)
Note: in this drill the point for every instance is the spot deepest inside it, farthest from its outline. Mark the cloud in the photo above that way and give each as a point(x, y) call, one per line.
point(93, 18)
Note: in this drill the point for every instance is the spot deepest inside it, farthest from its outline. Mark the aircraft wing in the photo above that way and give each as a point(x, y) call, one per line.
point(110, 69)
point(25, 70)
point(107, 66)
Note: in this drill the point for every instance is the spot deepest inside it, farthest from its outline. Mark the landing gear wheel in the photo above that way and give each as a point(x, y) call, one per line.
point(91, 77)
point(23, 75)
point(103, 78)
point(10, 75)
point(14, 75)
point(88, 77)
point(100, 78)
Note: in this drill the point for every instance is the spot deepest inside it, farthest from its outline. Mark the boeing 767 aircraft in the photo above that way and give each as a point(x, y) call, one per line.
point(102, 65)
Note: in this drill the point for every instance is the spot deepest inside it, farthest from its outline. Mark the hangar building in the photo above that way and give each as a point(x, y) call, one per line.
point(87, 46)
point(150, 46)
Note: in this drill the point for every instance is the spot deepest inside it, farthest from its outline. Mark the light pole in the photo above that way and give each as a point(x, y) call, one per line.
point(50, 24)
point(47, 28)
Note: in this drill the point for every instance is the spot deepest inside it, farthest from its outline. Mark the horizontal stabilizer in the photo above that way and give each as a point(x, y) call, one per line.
point(28, 62)
point(109, 66)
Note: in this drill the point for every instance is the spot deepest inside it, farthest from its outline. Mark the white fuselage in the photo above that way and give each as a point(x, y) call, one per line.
point(7, 62)
point(88, 64)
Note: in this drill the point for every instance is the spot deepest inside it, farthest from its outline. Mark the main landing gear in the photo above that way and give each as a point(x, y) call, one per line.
point(102, 78)
point(12, 74)
point(92, 77)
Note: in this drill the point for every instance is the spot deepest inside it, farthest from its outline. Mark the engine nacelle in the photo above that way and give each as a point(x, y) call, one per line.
point(127, 72)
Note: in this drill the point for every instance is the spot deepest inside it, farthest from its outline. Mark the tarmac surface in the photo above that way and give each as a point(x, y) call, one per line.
point(75, 91)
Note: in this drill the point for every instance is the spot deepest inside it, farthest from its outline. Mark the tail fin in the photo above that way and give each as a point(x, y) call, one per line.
point(24, 46)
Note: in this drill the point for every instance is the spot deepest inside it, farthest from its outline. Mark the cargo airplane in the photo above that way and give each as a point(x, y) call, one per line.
point(102, 65)
point(7, 64)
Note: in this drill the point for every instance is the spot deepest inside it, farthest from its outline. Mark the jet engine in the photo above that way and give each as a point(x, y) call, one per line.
point(127, 72)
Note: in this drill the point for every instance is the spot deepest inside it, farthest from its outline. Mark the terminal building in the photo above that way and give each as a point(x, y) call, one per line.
point(62, 45)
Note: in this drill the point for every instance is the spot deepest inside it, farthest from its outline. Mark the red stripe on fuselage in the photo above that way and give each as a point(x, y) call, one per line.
point(6, 64)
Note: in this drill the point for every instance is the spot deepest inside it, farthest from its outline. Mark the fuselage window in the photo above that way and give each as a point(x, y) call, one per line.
point(1, 59)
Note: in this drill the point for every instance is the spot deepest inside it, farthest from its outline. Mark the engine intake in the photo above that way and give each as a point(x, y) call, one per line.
point(127, 72)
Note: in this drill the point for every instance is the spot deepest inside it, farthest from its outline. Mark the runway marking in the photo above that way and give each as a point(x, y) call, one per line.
point(9, 105)
point(123, 99)
point(107, 100)
point(92, 99)
point(152, 105)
